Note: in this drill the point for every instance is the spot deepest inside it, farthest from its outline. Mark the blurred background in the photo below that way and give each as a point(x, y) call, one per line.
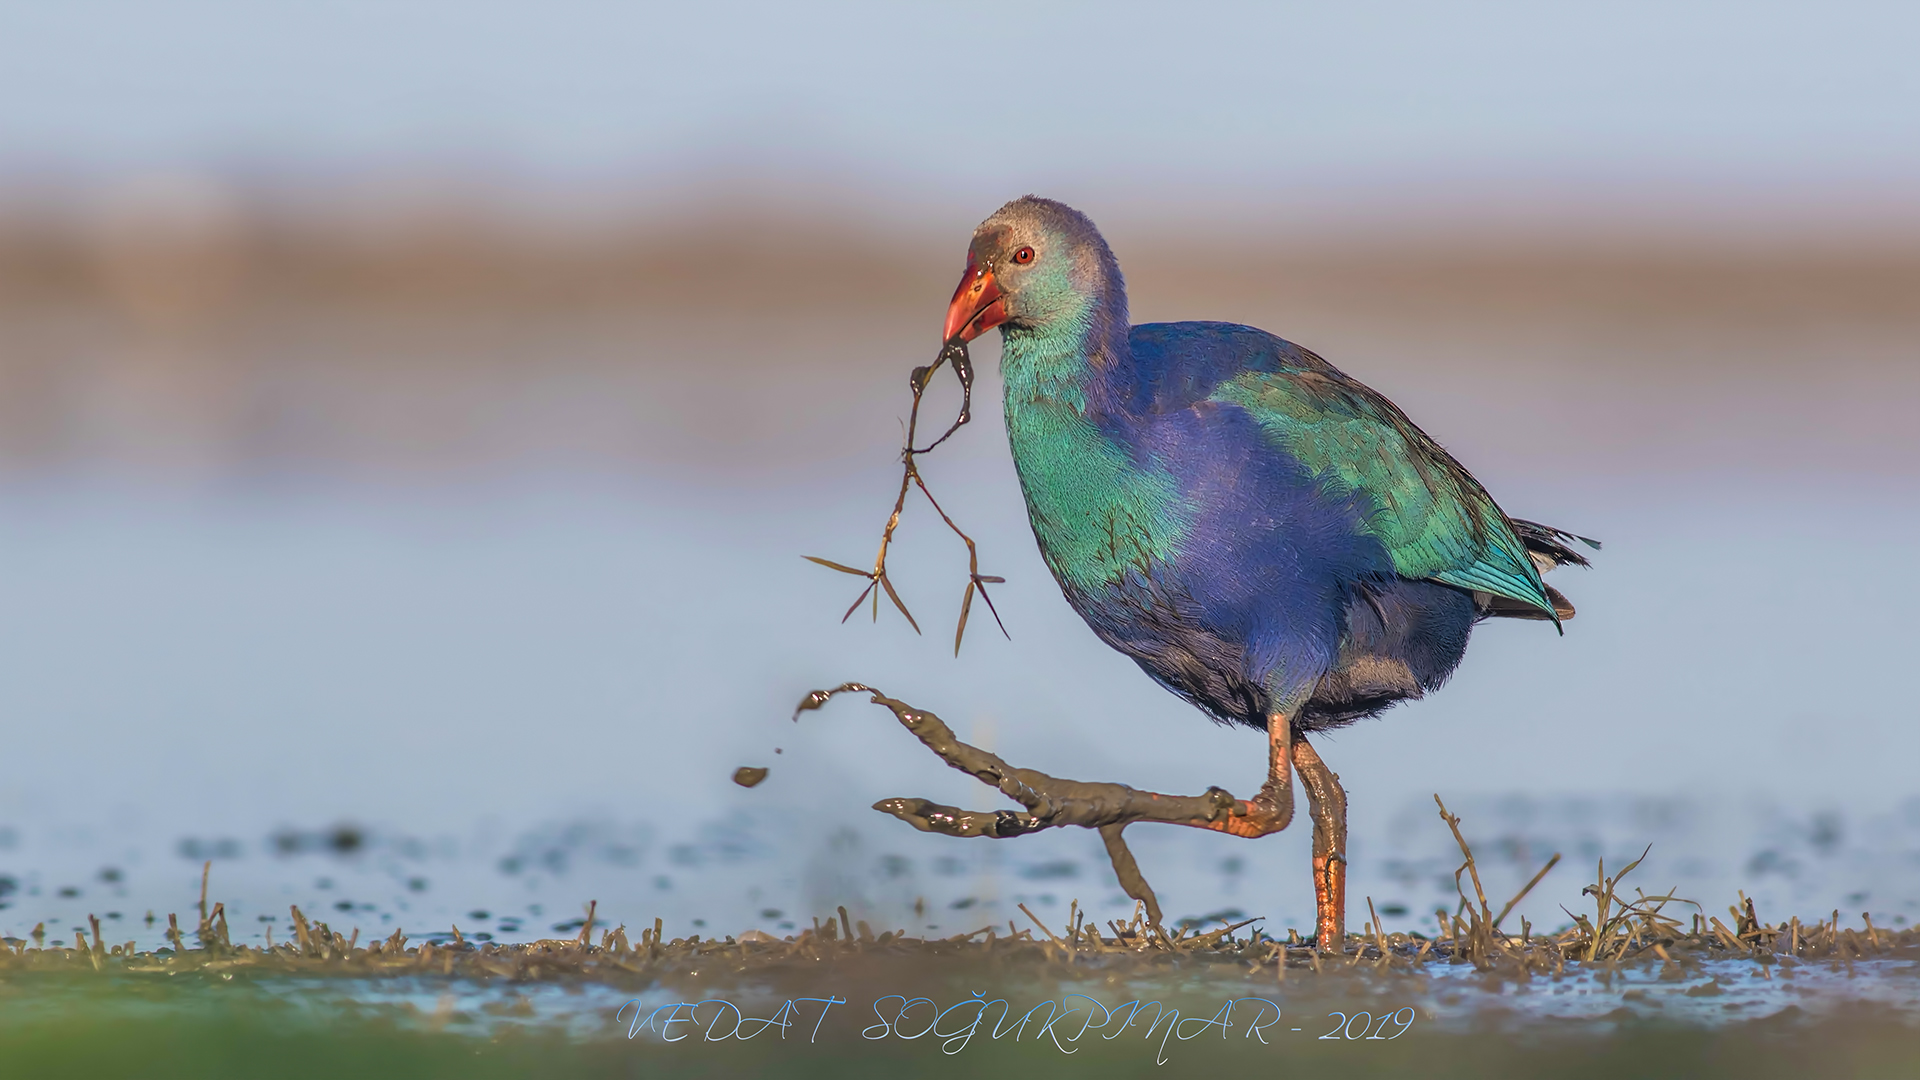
point(412, 416)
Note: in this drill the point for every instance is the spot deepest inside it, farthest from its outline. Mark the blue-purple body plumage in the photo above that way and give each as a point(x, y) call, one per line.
point(1260, 532)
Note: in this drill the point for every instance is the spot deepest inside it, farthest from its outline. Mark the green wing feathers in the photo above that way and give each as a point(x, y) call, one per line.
point(1435, 519)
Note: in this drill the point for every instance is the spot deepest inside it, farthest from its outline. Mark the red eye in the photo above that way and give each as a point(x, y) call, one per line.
point(1023, 256)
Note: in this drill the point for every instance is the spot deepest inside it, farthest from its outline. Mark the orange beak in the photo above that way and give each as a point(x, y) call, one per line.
point(977, 306)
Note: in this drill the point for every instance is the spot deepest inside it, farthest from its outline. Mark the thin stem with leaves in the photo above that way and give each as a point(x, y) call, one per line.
point(954, 353)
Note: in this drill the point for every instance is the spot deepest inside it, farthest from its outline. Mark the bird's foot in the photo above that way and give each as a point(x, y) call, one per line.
point(1052, 802)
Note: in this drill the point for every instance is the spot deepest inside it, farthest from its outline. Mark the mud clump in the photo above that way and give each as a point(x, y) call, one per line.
point(749, 775)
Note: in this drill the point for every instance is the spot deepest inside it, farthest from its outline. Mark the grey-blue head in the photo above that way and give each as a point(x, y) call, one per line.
point(1037, 266)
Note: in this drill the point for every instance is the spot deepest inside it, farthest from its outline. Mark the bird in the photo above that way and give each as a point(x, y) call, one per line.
point(1264, 535)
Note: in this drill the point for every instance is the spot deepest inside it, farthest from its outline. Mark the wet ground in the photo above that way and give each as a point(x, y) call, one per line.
point(1062, 998)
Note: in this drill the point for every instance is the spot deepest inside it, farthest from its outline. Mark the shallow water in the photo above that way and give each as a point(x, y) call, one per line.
point(403, 710)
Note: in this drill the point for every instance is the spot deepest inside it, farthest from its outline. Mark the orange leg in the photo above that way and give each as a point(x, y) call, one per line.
point(1272, 809)
point(1327, 803)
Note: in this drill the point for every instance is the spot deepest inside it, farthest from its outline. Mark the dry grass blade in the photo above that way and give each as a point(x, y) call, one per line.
point(1379, 938)
point(1481, 947)
point(1453, 823)
point(1612, 932)
point(586, 928)
point(1629, 867)
point(1505, 911)
point(1212, 937)
point(1042, 926)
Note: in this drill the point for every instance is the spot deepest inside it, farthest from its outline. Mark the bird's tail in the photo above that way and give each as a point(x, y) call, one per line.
point(1548, 547)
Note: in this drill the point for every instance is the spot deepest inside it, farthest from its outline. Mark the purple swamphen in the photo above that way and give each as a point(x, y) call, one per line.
point(1265, 536)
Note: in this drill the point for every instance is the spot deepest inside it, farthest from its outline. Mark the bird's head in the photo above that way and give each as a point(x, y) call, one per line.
point(1036, 264)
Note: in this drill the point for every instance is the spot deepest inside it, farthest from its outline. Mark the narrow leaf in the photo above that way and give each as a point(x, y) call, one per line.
point(831, 565)
point(856, 602)
point(1634, 863)
point(996, 611)
point(895, 597)
point(966, 604)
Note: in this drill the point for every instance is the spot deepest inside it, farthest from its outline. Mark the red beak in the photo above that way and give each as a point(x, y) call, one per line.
point(977, 305)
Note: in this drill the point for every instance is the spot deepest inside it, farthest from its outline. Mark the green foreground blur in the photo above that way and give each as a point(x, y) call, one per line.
point(99, 1029)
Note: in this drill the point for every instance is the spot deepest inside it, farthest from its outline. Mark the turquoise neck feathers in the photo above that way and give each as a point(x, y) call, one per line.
point(1101, 517)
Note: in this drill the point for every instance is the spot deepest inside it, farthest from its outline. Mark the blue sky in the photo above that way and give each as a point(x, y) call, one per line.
point(1125, 98)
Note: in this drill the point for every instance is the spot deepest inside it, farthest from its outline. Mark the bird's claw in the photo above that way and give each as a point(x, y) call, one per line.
point(929, 816)
point(817, 698)
point(1223, 799)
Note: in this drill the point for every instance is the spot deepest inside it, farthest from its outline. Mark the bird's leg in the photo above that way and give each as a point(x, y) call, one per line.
point(1273, 807)
point(1052, 802)
point(1327, 803)
point(1268, 811)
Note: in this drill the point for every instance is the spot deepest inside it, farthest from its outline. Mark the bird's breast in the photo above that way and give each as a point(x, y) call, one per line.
point(1102, 516)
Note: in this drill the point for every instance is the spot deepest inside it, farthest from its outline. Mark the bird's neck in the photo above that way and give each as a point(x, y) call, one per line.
point(1099, 511)
point(1070, 360)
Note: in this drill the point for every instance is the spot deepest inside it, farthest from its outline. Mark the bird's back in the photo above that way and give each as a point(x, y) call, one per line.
point(1176, 365)
point(1434, 518)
